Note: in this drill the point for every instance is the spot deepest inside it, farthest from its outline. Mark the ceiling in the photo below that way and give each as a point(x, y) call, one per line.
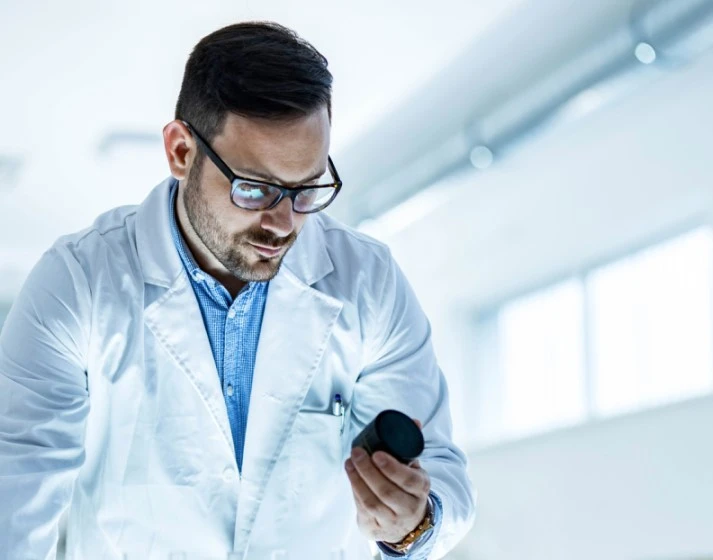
point(514, 74)
point(629, 174)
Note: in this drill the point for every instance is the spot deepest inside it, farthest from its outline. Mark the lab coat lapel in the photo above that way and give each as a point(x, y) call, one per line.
point(171, 309)
point(297, 325)
point(176, 321)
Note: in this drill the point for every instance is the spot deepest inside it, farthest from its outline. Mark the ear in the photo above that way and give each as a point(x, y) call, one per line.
point(180, 149)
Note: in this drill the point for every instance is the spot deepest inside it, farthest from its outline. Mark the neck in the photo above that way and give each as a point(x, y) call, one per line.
point(202, 255)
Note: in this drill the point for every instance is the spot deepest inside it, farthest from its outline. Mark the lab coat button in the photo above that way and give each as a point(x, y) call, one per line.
point(229, 474)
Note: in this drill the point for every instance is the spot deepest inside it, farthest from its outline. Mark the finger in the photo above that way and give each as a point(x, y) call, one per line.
point(364, 496)
point(367, 521)
point(382, 487)
point(418, 423)
point(409, 478)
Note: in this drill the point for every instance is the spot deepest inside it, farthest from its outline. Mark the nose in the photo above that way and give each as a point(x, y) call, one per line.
point(280, 219)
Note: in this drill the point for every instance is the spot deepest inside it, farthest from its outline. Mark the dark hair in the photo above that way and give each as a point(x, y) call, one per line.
point(256, 70)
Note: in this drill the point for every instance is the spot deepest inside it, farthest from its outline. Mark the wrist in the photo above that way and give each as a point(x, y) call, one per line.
point(416, 534)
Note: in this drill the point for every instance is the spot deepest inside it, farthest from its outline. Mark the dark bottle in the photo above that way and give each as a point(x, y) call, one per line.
point(393, 432)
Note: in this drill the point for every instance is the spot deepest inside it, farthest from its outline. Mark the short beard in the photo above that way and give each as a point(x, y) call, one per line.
point(232, 251)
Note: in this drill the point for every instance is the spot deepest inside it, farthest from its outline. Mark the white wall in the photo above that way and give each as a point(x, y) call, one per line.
point(634, 487)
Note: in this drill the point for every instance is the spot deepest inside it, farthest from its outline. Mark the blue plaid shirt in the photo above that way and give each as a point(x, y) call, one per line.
point(233, 328)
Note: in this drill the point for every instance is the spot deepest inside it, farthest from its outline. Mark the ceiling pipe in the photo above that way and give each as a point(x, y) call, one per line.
point(675, 30)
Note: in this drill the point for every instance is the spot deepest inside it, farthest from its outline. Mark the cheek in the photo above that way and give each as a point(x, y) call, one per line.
point(239, 223)
point(299, 221)
point(228, 218)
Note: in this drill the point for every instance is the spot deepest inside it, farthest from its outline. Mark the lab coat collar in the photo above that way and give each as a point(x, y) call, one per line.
point(308, 259)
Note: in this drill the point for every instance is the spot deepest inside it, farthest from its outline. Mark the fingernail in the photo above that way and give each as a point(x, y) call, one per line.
point(380, 459)
point(358, 454)
point(349, 465)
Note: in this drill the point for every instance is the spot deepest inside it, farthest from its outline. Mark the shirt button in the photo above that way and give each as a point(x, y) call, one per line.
point(199, 277)
point(229, 474)
point(230, 390)
point(231, 313)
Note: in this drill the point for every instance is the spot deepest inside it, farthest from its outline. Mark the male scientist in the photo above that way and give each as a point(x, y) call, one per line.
point(188, 374)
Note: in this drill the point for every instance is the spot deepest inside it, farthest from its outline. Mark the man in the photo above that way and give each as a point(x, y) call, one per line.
point(173, 377)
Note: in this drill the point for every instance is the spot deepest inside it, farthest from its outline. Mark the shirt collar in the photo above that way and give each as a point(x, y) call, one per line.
point(184, 252)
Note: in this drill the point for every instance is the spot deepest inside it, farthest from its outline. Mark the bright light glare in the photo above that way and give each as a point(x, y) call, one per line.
point(651, 325)
point(542, 360)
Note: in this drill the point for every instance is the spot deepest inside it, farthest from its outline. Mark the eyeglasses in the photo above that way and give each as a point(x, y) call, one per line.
point(250, 194)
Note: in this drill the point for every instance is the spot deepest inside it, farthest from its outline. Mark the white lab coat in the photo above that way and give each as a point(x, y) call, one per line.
point(111, 406)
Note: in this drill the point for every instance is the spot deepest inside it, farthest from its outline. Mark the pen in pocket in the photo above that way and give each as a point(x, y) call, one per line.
point(338, 410)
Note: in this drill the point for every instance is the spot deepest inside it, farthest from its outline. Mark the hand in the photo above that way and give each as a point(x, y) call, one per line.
point(391, 498)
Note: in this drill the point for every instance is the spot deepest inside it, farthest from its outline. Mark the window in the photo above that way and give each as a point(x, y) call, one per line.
point(633, 333)
point(530, 365)
point(541, 359)
point(650, 324)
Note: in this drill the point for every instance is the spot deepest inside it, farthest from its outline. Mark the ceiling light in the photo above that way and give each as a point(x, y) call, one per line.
point(645, 53)
point(481, 157)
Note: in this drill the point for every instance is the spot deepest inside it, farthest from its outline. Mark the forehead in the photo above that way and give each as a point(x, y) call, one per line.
point(299, 143)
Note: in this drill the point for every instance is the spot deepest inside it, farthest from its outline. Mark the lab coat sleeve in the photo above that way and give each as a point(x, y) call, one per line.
point(401, 372)
point(43, 404)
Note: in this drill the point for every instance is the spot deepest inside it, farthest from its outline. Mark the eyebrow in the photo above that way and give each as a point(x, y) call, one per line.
point(252, 173)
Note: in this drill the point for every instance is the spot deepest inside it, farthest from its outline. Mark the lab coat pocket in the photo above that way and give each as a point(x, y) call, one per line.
point(316, 454)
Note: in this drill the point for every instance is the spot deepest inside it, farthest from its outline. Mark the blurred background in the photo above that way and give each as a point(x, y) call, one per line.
point(543, 173)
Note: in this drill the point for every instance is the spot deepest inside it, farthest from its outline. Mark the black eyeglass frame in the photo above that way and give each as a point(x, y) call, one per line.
point(290, 192)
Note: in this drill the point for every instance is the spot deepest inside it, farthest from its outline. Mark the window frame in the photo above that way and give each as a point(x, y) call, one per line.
point(492, 310)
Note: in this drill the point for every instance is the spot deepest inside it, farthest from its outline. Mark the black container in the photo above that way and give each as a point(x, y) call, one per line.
point(393, 432)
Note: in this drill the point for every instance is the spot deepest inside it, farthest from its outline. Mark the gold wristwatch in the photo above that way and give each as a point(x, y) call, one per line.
point(413, 536)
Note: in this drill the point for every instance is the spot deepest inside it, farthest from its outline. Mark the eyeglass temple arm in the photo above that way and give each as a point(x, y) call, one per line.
point(211, 154)
point(334, 170)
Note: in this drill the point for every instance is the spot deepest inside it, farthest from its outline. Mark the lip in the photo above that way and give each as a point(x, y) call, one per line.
point(267, 251)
